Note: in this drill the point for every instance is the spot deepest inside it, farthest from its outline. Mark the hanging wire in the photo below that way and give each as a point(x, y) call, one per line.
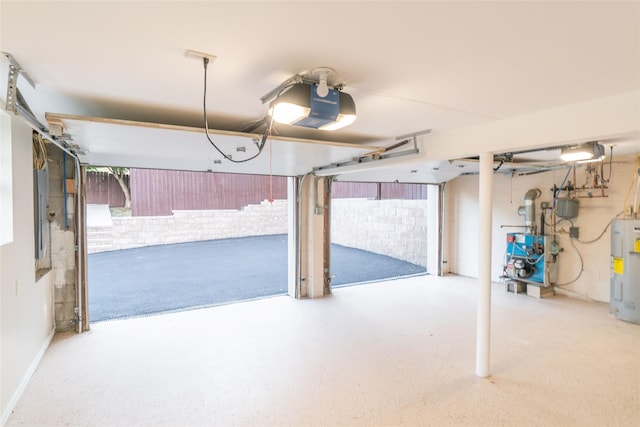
point(581, 266)
point(270, 165)
point(206, 125)
point(601, 234)
point(39, 151)
point(610, 165)
point(511, 184)
point(633, 181)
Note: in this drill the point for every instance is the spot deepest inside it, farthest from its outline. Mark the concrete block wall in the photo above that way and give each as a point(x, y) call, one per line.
point(62, 240)
point(195, 225)
point(396, 228)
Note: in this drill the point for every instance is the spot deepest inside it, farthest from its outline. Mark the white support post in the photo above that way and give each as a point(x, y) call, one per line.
point(483, 337)
point(433, 261)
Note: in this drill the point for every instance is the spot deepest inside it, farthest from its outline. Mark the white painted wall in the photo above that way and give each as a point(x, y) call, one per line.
point(594, 215)
point(6, 181)
point(26, 306)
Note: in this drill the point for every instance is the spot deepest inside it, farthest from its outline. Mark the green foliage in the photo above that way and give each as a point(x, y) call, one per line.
point(119, 174)
point(117, 171)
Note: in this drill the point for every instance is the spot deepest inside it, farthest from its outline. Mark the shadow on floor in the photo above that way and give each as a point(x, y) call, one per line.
point(155, 279)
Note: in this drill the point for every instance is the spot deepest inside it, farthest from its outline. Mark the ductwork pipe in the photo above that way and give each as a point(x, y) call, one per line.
point(529, 209)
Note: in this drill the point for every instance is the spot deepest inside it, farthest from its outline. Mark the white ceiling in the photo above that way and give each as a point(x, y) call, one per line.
point(409, 66)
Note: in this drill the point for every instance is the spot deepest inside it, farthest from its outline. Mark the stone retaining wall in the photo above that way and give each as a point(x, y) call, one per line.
point(195, 225)
point(396, 228)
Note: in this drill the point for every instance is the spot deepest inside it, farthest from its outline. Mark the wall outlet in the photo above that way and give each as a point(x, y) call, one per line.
point(628, 210)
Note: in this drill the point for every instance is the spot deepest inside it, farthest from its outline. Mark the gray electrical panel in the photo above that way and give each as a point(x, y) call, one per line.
point(625, 269)
point(41, 205)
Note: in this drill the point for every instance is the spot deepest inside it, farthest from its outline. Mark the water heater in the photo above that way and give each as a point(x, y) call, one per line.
point(625, 269)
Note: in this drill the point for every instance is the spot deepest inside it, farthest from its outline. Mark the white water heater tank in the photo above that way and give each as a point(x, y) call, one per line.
point(625, 269)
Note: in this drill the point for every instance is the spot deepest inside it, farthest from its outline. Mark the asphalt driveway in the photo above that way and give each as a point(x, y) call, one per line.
point(154, 279)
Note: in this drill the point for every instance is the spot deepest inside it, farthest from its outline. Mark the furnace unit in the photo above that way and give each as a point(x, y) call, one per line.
point(531, 258)
point(531, 264)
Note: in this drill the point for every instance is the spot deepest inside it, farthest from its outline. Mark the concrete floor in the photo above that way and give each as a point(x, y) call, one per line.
point(388, 353)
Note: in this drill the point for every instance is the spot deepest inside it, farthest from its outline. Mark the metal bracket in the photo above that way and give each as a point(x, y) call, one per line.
point(340, 167)
point(296, 78)
point(12, 83)
point(414, 136)
point(384, 154)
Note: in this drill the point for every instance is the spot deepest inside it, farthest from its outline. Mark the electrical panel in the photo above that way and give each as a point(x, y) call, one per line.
point(40, 211)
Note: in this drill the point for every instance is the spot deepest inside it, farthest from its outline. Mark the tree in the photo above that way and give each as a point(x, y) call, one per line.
point(119, 174)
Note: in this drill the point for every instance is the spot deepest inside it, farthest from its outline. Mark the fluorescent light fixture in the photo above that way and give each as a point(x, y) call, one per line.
point(598, 154)
point(582, 152)
point(302, 105)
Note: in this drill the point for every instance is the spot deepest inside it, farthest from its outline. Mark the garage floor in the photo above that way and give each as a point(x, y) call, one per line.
point(389, 353)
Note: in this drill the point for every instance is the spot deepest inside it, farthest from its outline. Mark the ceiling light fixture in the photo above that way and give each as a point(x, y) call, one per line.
point(598, 154)
point(313, 103)
point(582, 152)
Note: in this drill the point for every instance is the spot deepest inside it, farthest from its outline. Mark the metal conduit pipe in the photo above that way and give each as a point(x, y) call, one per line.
point(529, 209)
point(64, 189)
point(79, 246)
point(635, 200)
point(298, 236)
point(441, 261)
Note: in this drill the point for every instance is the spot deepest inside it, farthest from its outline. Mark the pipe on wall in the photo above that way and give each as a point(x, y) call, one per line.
point(300, 183)
point(79, 249)
point(441, 216)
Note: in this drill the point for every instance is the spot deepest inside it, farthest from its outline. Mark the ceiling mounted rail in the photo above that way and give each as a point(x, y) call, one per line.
point(12, 83)
point(376, 160)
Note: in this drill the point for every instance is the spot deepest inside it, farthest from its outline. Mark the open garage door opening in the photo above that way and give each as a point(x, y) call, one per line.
point(187, 240)
point(387, 222)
